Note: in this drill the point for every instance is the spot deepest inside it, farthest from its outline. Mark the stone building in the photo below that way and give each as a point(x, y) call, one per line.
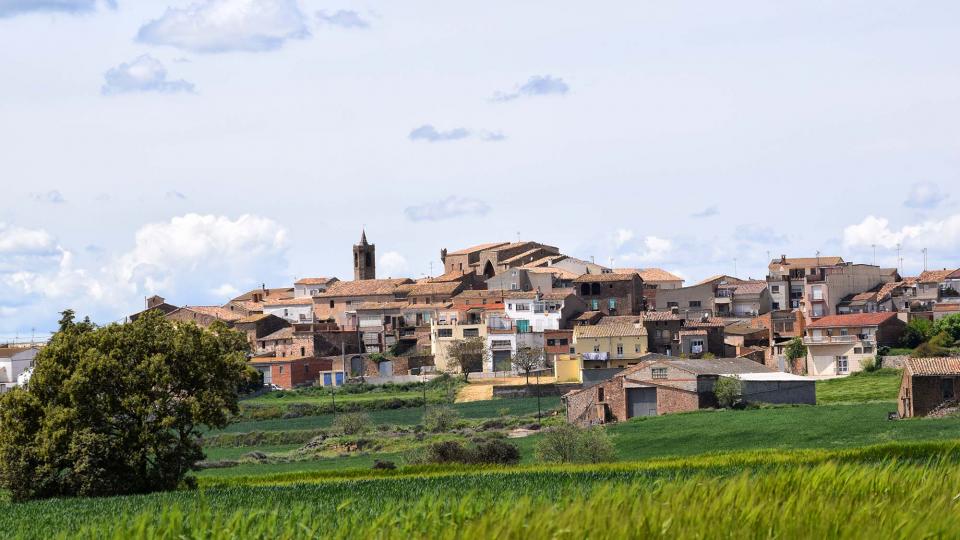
point(489, 260)
point(929, 385)
point(611, 294)
point(664, 386)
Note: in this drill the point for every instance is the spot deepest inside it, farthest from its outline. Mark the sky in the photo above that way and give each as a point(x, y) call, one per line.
point(196, 149)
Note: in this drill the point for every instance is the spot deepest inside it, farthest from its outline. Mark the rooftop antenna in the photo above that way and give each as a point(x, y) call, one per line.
point(924, 259)
point(899, 259)
point(874, 246)
point(818, 257)
point(431, 268)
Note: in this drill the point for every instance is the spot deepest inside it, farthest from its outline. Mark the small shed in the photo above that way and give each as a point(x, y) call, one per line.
point(929, 385)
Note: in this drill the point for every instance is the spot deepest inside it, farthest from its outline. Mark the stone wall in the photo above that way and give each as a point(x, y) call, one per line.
point(531, 391)
point(673, 400)
point(895, 362)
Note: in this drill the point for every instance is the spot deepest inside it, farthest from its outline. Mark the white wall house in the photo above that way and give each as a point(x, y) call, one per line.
point(14, 362)
point(310, 287)
point(291, 309)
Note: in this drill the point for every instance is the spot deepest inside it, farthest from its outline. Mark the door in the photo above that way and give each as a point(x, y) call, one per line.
point(386, 369)
point(339, 378)
point(327, 379)
point(501, 360)
point(356, 366)
point(641, 402)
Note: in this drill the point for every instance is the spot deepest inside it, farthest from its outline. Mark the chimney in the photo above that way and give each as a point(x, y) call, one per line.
point(675, 310)
point(263, 287)
point(783, 259)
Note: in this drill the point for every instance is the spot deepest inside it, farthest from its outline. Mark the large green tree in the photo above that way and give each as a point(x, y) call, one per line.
point(118, 409)
point(949, 324)
point(917, 331)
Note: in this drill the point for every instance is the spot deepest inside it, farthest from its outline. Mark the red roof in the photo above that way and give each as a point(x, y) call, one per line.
point(933, 366)
point(853, 319)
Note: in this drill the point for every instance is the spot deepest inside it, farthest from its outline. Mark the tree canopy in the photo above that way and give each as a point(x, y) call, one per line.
point(528, 359)
point(468, 355)
point(118, 409)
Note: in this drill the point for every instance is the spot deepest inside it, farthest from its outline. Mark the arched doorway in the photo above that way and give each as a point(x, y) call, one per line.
point(488, 271)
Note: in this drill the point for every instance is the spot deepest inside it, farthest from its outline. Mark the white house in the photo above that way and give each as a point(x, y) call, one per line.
point(310, 287)
point(291, 309)
point(14, 362)
point(535, 312)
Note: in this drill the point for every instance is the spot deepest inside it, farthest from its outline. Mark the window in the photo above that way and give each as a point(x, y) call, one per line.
point(844, 332)
point(303, 351)
point(868, 349)
point(594, 305)
point(694, 303)
point(857, 350)
point(509, 306)
point(551, 343)
point(596, 348)
point(817, 292)
point(501, 343)
point(514, 287)
point(673, 304)
point(281, 370)
point(445, 332)
point(818, 310)
point(523, 307)
point(842, 365)
point(619, 349)
point(775, 306)
point(946, 386)
point(612, 303)
point(471, 332)
point(659, 372)
point(286, 312)
point(523, 326)
point(573, 350)
point(306, 368)
point(774, 288)
point(599, 393)
point(331, 304)
point(636, 348)
point(564, 341)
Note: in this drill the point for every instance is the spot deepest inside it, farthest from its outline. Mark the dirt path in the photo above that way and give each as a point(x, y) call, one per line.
point(482, 390)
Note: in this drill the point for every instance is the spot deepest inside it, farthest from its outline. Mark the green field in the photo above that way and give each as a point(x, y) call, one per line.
point(747, 494)
point(722, 474)
point(881, 385)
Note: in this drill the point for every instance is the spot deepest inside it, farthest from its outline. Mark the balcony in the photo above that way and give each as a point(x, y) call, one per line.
point(836, 340)
point(595, 356)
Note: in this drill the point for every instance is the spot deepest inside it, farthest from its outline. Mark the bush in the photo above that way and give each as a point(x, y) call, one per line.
point(950, 325)
point(728, 391)
point(917, 331)
point(384, 465)
point(937, 346)
point(869, 365)
point(568, 443)
point(352, 423)
point(489, 452)
point(496, 451)
point(440, 419)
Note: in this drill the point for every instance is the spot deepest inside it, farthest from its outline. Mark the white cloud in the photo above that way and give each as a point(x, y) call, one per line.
point(391, 264)
point(655, 249)
point(10, 8)
point(449, 208)
point(21, 241)
point(226, 290)
point(52, 197)
point(213, 26)
point(943, 234)
point(144, 74)
point(925, 195)
point(622, 236)
point(194, 253)
point(343, 18)
point(706, 212)
point(429, 133)
point(538, 85)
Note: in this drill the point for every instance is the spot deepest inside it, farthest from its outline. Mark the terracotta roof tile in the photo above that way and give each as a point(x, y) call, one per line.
point(650, 274)
point(306, 301)
point(427, 289)
point(933, 366)
point(601, 278)
point(365, 287)
point(692, 333)
point(281, 292)
point(852, 319)
point(453, 275)
point(478, 248)
point(609, 330)
point(806, 262)
point(935, 276)
point(283, 333)
point(215, 311)
point(314, 281)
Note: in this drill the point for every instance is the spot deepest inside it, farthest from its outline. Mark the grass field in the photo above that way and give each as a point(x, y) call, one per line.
point(408, 417)
point(747, 494)
point(882, 385)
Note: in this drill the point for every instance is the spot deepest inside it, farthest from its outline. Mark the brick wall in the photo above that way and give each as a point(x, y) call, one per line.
point(672, 400)
point(926, 393)
point(299, 372)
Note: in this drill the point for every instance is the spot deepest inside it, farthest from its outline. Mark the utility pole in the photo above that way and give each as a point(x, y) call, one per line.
point(899, 259)
point(539, 413)
point(924, 259)
point(423, 381)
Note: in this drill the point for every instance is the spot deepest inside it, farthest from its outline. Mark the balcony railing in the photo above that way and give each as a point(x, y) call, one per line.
point(595, 356)
point(827, 340)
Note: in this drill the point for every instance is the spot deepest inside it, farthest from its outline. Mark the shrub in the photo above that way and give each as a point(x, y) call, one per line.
point(950, 325)
point(869, 365)
point(728, 391)
point(440, 419)
point(937, 346)
point(352, 423)
point(568, 443)
point(917, 331)
point(384, 465)
point(496, 451)
point(489, 452)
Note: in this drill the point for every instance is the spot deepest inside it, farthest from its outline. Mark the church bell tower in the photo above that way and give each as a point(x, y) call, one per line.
point(364, 259)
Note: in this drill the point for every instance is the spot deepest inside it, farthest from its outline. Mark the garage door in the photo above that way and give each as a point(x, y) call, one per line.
point(641, 402)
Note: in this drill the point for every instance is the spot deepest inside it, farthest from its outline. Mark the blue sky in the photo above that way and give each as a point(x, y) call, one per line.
point(195, 148)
